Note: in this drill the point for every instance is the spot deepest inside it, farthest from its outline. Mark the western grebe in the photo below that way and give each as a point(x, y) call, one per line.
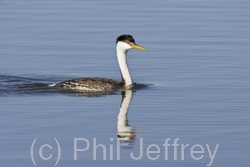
point(123, 44)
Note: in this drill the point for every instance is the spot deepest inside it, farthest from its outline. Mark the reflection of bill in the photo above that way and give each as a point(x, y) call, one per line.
point(126, 134)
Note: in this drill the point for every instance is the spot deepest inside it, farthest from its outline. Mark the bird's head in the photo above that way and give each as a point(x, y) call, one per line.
point(126, 42)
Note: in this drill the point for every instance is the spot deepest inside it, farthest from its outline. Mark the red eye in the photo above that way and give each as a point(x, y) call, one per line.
point(128, 42)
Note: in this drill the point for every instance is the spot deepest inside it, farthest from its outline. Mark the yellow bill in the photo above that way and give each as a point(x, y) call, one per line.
point(137, 47)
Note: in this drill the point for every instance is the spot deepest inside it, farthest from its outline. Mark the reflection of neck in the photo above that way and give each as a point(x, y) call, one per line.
point(122, 60)
point(122, 117)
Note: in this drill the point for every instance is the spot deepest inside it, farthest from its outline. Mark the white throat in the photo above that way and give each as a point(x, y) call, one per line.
point(122, 60)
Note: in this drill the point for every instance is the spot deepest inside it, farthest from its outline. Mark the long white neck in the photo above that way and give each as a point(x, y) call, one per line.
point(122, 60)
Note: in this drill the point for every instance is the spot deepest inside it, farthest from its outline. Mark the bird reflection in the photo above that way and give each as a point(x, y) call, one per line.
point(126, 134)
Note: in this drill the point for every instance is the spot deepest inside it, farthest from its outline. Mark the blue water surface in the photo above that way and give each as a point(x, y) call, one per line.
point(196, 67)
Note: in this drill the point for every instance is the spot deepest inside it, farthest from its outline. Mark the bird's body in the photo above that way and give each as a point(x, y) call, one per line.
point(123, 44)
point(91, 84)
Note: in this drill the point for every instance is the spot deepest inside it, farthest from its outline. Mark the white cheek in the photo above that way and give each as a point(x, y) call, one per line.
point(123, 46)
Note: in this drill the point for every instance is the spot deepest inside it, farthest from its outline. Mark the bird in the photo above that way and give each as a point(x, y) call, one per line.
point(123, 44)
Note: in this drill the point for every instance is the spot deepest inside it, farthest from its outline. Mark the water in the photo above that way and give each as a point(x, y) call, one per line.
point(196, 63)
